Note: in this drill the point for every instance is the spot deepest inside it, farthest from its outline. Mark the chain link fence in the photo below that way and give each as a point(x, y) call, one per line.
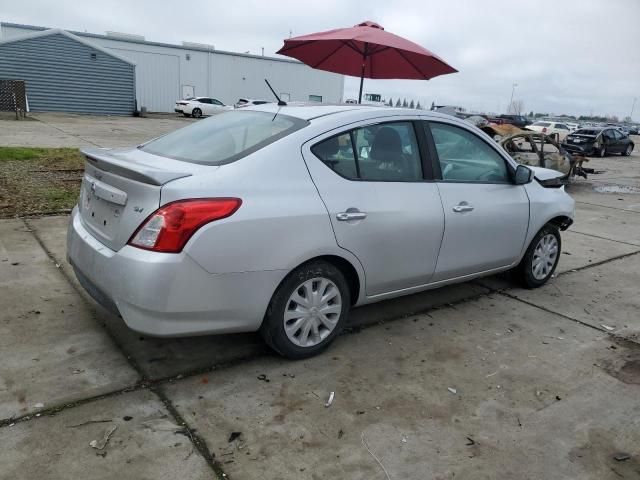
point(13, 97)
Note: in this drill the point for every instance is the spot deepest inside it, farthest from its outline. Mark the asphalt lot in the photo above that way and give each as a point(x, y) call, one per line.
point(475, 381)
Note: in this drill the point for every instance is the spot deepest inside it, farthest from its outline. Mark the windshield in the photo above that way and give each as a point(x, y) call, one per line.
point(224, 138)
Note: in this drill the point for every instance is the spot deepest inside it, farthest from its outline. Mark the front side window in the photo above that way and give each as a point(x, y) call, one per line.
point(385, 152)
point(464, 157)
point(224, 138)
point(216, 102)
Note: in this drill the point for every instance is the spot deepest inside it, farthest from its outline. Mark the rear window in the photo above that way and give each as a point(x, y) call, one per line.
point(586, 131)
point(224, 138)
point(542, 124)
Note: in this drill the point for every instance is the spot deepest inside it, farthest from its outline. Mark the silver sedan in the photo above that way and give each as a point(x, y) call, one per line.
point(280, 219)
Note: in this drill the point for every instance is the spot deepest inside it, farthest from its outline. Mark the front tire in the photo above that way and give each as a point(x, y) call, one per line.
point(602, 152)
point(541, 258)
point(627, 152)
point(307, 311)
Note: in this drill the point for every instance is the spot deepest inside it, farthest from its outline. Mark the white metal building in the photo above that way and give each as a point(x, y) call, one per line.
point(165, 73)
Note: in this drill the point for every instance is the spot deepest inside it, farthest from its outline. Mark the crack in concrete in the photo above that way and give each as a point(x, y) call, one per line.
point(605, 238)
point(198, 442)
point(607, 206)
point(67, 133)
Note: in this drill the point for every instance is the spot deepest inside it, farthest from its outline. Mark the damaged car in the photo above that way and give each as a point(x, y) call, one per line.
point(540, 150)
point(598, 141)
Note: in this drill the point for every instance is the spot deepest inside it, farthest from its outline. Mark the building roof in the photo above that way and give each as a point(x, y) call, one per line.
point(75, 38)
point(146, 42)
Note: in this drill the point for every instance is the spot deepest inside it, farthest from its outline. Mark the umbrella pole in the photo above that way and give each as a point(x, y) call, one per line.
point(364, 61)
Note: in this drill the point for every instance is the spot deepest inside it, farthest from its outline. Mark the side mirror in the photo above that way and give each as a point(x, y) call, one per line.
point(523, 175)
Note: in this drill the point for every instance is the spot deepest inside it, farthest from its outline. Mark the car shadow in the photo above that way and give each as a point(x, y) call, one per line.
point(163, 358)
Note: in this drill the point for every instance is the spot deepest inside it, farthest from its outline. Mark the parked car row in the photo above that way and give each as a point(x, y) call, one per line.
point(205, 106)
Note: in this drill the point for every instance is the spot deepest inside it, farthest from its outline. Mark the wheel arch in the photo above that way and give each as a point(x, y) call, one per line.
point(354, 278)
point(561, 221)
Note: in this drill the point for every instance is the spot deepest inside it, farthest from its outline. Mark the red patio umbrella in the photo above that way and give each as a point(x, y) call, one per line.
point(366, 50)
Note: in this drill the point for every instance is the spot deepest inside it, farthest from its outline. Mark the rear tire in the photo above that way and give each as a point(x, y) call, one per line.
point(541, 258)
point(307, 311)
point(196, 112)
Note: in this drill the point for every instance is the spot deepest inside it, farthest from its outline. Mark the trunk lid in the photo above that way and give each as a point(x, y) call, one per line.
point(121, 188)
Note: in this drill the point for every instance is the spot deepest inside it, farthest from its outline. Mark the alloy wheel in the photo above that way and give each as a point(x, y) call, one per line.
point(544, 257)
point(312, 312)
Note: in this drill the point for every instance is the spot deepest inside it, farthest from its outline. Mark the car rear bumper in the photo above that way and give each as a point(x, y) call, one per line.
point(586, 149)
point(164, 294)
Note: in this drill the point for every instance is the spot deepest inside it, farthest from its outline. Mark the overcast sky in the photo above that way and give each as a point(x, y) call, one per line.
point(566, 56)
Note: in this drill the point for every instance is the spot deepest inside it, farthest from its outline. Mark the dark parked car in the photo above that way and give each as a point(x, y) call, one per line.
point(598, 141)
point(517, 120)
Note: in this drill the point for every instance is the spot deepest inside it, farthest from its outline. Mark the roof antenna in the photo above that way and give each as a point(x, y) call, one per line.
point(281, 103)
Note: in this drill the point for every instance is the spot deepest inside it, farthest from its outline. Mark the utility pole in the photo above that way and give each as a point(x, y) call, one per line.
point(633, 106)
point(513, 88)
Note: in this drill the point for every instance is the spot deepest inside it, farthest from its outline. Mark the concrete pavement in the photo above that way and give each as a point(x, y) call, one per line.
point(480, 380)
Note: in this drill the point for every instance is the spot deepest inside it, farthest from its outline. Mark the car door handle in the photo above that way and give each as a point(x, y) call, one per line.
point(346, 216)
point(462, 208)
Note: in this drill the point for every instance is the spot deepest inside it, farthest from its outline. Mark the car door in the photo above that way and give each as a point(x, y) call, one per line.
point(217, 106)
point(486, 214)
point(621, 141)
point(383, 206)
point(206, 106)
point(609, 139)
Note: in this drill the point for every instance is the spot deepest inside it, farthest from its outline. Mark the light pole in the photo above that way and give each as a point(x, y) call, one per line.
point(633, 106)
point(513, 88)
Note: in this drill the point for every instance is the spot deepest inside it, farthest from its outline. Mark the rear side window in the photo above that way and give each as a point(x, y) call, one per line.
point(224, 138)
point(385, 152)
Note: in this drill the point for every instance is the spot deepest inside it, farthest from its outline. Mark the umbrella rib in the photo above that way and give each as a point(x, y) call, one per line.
point(349, 44)
point(411, 63)
point(327, 57)
point(288, 48)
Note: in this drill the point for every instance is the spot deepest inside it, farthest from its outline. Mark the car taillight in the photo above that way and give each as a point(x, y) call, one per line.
point(170, 227)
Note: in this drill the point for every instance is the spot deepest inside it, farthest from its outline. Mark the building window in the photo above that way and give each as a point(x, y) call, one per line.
point(315, 98)
point(94, 56)
point(188, 56)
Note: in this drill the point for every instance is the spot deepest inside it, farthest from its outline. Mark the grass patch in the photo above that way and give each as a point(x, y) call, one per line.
point(39, 179)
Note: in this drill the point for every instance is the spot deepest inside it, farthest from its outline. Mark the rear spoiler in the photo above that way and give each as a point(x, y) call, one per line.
point(131, 169)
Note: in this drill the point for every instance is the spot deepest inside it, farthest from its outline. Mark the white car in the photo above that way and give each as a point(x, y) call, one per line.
point(572, 126)
point(249, 102)
point(558, 129)
point(201, 106)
